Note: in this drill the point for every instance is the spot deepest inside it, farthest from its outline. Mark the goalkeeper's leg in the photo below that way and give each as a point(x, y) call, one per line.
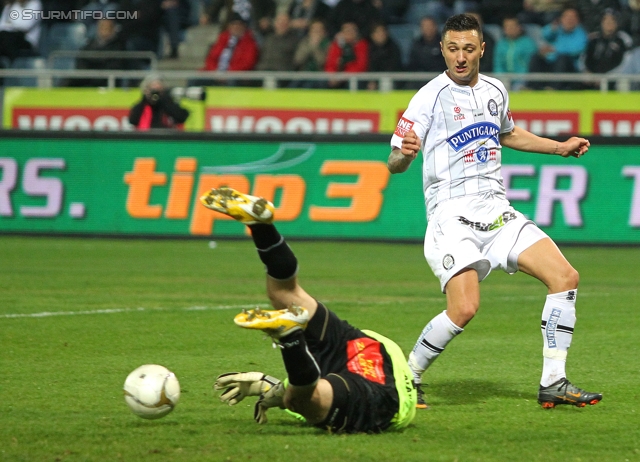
point(282, 266)
point(307, 394)
point(282, 269)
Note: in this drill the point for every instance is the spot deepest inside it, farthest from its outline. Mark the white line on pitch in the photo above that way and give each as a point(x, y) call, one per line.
point(46, 314)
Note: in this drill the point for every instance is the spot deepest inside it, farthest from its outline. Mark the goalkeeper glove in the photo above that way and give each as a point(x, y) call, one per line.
point(274, 397)
point(238, 385)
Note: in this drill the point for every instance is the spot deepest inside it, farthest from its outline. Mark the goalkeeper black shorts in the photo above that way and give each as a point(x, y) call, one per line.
point(368, 397)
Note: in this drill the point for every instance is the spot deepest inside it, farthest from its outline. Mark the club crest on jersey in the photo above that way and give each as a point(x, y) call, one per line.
point(492, 106)
point(479, 131)
point(480, 155)
point(403, 127)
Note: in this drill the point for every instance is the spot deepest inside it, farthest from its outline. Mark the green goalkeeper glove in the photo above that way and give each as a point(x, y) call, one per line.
point(238, 385)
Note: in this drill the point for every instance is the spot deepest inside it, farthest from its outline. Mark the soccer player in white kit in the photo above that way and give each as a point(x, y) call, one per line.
point(460, 120)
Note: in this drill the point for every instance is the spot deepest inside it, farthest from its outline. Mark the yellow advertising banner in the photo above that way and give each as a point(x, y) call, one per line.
point(255, 110)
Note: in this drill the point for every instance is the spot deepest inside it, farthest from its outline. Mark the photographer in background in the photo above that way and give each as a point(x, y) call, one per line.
point(156, 109)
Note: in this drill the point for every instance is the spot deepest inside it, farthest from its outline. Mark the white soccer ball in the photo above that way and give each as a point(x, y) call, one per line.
point(151, 391)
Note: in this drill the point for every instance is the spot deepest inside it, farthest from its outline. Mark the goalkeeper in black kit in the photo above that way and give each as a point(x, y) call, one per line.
point(339, 378)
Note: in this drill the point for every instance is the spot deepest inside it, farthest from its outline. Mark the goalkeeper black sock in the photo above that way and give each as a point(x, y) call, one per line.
point(302, 368)
point(274, 252)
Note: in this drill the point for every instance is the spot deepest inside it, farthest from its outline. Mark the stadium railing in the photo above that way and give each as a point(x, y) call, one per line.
point(355, 81)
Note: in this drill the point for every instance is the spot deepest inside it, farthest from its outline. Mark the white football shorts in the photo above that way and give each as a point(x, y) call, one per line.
point(481, 232)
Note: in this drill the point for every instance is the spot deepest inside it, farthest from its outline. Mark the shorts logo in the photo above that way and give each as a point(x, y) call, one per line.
point(365, 359)
point(448, 261)
point(497, 223)
point(403, 127)
point(571, 295)
point(492, 106)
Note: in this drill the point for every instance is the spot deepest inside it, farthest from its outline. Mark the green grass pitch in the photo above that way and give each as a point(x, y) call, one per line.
point(77, 315)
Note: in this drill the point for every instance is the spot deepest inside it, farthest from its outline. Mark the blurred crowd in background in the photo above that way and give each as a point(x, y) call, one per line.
point(549, 36)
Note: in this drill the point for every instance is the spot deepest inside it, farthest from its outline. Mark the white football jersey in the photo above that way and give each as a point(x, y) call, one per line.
point(460, 129)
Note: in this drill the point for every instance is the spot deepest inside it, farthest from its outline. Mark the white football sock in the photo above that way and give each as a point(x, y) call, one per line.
point(432, 341)
point(558, 321)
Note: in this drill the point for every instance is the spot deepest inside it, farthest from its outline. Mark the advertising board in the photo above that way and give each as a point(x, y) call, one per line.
point(287, 111)
point(322, 187)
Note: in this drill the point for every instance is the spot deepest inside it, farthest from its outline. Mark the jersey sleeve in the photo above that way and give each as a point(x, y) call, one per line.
point(506, 120)
point(416, 117)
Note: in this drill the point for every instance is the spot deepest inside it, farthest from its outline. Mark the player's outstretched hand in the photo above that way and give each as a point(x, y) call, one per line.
point(238, 385)
point(410, 144)
point(574, 147)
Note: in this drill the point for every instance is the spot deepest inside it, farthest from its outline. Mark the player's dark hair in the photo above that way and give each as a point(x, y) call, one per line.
point(461, 23)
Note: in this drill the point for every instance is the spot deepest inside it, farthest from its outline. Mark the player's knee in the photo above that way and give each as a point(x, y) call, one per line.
point(567, 279)
point(572, 278)
point(462, 313)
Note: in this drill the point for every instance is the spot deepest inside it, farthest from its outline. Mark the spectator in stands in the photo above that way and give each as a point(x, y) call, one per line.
point(565, 40)
point(541, 12)
point(311, 54)
point(592, 11)
point(348, 52)
point(156, 109)
point(486, 63)
point(303, 12)
point(235, 49)
point(361, 12)
point(606, 48)
point(19, 36)
point(279, 46)
point(384, 54)
point(514, 51)
point(106, 39)
point(103, 6)
point(425, 54)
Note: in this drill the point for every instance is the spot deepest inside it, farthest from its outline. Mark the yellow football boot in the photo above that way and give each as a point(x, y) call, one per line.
point(275, 323)
point(247, 209)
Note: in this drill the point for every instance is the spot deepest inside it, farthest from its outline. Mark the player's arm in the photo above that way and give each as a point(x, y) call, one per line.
point(522, 140)
point(400, 158)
